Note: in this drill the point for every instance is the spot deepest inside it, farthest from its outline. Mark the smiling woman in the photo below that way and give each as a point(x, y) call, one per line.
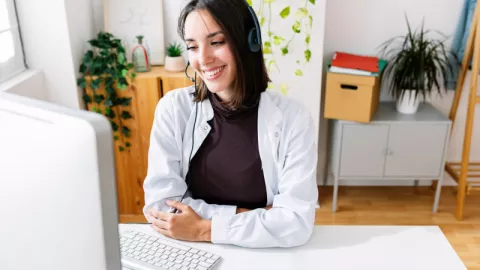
point(237, 162)
point(11, 55)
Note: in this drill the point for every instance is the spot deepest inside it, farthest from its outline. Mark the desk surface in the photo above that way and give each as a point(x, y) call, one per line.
point(345, 247)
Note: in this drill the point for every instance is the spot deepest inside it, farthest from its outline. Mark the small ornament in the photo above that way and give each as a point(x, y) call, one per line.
point(140, 56)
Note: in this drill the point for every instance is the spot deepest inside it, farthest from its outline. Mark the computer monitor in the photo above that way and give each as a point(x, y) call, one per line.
point(58, 203)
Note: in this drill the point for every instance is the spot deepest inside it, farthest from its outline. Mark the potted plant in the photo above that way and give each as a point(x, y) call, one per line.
point(105, 77)
point(417, 66)
point(174, 60)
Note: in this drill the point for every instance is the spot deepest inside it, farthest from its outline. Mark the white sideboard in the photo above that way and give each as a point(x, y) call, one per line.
point(393, 146)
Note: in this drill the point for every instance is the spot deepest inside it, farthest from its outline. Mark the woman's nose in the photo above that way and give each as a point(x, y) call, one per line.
point(205, 56)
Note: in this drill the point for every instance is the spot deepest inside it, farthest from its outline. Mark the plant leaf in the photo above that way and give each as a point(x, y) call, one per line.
point(301, 13)
point(114, 125)
point(308, 55)
point(296, 27)
point(98, 98)
point(126, 131)
point(312, 1)
point(278, 40)
point(285, 12)
point(82, 83)
point(284, 88)
point(126, 115)
point(86, 98)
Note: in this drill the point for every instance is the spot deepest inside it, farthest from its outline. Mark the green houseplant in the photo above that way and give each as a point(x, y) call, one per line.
point(417, 67)
point(174, 60)
point(105, 77)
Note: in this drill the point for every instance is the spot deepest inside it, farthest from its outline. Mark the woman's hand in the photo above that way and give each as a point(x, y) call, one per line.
point(185, 225)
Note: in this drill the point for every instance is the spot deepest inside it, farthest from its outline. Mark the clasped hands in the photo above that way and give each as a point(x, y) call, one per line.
point(185, 225)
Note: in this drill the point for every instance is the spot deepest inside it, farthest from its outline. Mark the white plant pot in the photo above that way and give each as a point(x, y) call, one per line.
point(175, 64)
point(408, 104)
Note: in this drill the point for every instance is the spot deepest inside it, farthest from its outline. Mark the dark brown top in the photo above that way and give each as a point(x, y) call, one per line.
point(227, 169)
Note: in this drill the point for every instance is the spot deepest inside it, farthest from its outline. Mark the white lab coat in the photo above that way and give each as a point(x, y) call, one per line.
point(288, 153)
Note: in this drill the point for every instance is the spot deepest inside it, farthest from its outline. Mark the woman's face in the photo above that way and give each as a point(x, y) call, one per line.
point(209, 53)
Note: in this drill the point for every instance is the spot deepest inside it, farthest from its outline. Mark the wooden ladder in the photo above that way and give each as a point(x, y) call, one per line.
point(465, 170)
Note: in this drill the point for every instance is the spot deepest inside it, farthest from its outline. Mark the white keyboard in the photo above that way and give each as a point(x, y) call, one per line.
point(141, 250)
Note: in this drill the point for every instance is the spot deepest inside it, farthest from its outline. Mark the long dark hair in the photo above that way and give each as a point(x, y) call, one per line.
point(235, 20)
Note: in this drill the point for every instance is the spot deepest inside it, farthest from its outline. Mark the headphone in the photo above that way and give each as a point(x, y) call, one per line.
point(255, 34)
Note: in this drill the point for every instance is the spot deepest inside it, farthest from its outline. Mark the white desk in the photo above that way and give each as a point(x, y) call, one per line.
point(345, 247)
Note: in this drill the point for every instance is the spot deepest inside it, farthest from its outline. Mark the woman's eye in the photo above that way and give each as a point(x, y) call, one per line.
point(216, 43)
point(191, 48)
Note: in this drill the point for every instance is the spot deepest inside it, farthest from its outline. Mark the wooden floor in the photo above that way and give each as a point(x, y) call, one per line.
point(407, 206)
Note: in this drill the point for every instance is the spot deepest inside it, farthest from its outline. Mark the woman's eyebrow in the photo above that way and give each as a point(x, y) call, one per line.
point(209, 35)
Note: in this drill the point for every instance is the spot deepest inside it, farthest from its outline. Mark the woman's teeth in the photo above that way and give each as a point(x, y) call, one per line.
point(214, 72)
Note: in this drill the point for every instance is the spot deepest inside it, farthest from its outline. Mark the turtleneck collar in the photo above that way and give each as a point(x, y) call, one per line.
point(226, 113)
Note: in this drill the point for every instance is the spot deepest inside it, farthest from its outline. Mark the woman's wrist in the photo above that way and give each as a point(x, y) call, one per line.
point(205, 233)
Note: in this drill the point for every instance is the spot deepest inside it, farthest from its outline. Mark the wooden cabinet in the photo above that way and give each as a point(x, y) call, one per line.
point(393, 146)
point(131, 165)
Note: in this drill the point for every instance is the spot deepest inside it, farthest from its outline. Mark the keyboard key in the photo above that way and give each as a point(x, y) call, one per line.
point(205, 264)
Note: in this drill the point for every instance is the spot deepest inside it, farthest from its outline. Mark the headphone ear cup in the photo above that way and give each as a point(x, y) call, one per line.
point(253, 42)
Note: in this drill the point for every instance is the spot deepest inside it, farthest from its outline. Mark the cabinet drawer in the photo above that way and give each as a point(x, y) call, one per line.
point(416, 150)
point(363, 149)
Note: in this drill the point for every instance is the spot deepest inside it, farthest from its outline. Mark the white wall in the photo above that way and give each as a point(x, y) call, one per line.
point(54, 33)
point(361, 26)
point(30, 83)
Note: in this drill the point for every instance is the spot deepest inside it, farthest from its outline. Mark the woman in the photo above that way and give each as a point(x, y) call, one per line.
point(252, 175)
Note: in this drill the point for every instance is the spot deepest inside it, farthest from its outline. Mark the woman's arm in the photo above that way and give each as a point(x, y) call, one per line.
point(163, 180)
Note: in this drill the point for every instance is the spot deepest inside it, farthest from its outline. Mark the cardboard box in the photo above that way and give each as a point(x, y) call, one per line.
point(351, 97)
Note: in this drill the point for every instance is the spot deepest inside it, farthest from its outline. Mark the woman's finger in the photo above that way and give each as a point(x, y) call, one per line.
point(161, 224)
point(161, 231)
point(159, 215)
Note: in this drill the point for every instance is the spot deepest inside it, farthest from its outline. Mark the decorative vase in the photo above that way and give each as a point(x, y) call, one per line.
point(408, 103)
point(141, 56)
point(175, 64)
